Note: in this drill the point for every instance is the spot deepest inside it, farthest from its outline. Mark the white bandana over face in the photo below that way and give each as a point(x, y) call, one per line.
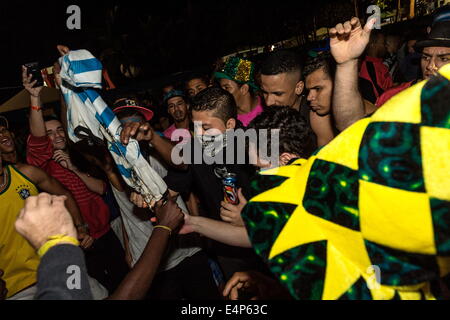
point(212, 144)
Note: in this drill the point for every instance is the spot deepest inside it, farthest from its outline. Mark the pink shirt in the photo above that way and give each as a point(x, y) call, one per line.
point(184, 133)
point(248, 117)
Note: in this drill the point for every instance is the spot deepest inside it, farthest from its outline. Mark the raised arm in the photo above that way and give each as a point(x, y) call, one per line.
point(348, 42)
point(139, 279)
point(95, 185)
point(42, 217)
point(322, 127)
point(144, 132)
point(56, 70)
point(220, 231)
point(37, 125)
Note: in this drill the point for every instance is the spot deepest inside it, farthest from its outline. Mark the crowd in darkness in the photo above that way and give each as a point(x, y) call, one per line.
point(64, 203)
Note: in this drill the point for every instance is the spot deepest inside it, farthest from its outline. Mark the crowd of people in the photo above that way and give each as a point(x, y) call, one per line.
point(66, 204)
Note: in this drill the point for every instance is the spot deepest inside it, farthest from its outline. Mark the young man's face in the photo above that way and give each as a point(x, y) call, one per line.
point(282, 89)
point(320, 88)
point(55, 132)
point(381, 47)
point(194, 86)
point(434, 58)
point(6, 141)
point(210, 122)
point(391, 44)
point(410, 45)
point(177, 108)
point(233, 88)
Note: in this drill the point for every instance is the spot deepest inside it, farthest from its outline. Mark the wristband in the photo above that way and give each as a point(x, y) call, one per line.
point(164, 227)
point(55, 240)
point(37, 108)
point(82, 225)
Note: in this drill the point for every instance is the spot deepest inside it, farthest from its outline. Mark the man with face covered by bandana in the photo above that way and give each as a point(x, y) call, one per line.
point(214, 112)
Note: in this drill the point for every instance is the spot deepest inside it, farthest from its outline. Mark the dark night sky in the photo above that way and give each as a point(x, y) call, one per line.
point(180, 35)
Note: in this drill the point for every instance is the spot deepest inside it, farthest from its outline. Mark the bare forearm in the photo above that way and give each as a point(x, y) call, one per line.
point(164, 148)
point(348, 105)
point(221, 231)
point(54, 187)
point(115, 179)
point(93, 184)
point(126, 245)
point(63, 112)
point(50, 185)
point(139, 279)
point(73, 209)
point(322, 127)
point(37, 125)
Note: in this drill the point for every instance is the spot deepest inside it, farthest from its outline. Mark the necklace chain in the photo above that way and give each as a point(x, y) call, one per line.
point(5, 179)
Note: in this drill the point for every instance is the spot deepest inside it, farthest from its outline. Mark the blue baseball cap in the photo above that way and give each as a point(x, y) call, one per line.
point(173, 93)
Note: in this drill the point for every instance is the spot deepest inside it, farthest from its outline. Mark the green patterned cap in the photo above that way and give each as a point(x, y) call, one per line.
point(238, 70)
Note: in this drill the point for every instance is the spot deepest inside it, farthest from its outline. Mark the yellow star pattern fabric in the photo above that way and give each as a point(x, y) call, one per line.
point(367, 216)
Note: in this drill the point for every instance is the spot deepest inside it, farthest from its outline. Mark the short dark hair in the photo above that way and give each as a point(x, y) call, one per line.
point(217, 99)
point(185, 99)
point(197, 75)
point(374, 36)
point(51, 117)
point(129, 113)
point(281, 61)
point(296, 135)
point(324, 61)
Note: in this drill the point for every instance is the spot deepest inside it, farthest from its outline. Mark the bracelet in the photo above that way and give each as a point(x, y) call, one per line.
point(164, 227)
point(37, 108)
point(55, 240)
point(82, 225)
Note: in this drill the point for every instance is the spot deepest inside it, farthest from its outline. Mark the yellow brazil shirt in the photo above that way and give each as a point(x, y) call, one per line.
point(18, 259)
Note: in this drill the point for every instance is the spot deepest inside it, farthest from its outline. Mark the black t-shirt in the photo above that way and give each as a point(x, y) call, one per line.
point(203, 181)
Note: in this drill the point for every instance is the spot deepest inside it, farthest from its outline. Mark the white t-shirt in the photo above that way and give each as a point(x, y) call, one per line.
point(139, 229)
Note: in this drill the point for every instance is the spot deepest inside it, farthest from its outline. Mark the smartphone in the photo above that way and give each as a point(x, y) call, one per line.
point(34, 69)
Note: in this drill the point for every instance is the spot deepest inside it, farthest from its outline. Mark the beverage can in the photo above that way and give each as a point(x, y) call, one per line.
point(229, 188)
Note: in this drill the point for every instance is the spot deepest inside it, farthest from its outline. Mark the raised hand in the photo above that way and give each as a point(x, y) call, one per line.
point(44, 216)
point(187, 227)
point(169, 214)
point(28, 84)
point(256, 285)
point(136, 130)
point(63, 159)
point(138, 200)
point(349, 40)
point(232, 212)
point(86, 241)
point(62, 49)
